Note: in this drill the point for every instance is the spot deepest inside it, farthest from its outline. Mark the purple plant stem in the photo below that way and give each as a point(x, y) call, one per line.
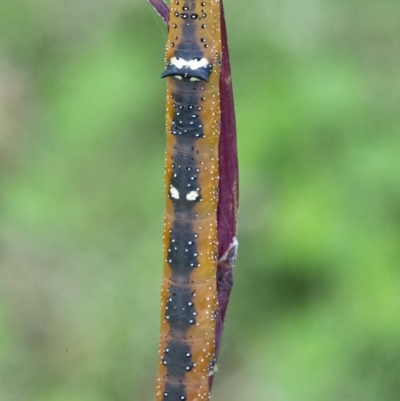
point(228, 162)
point(228, 191)
point(162, 9)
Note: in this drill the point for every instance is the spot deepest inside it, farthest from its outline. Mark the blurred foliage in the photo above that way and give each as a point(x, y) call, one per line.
point(315, 309)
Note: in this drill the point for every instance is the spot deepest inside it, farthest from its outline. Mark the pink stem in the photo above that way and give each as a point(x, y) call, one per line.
point(162, 9)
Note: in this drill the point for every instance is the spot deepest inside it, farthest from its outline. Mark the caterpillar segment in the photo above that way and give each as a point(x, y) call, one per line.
point(189, 294)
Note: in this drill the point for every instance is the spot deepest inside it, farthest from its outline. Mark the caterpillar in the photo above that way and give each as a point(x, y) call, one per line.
point(189, 301)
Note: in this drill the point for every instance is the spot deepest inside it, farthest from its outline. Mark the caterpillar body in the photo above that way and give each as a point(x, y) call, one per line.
point(189, 305)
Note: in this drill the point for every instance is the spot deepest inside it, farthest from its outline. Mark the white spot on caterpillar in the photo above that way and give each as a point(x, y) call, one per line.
point(192, 195)
point(178, 77)
point(192, 64)
point(174, 193)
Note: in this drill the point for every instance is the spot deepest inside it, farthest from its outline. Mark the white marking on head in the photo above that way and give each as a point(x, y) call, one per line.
point(194, 79)
point(192, 64)
point(178, 77)
point(174, 193)
point(192, 195)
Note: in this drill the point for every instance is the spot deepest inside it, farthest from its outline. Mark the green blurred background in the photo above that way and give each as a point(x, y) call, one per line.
point(315, 313)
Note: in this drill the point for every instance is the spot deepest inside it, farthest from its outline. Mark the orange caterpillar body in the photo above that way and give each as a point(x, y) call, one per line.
point(189, 290)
